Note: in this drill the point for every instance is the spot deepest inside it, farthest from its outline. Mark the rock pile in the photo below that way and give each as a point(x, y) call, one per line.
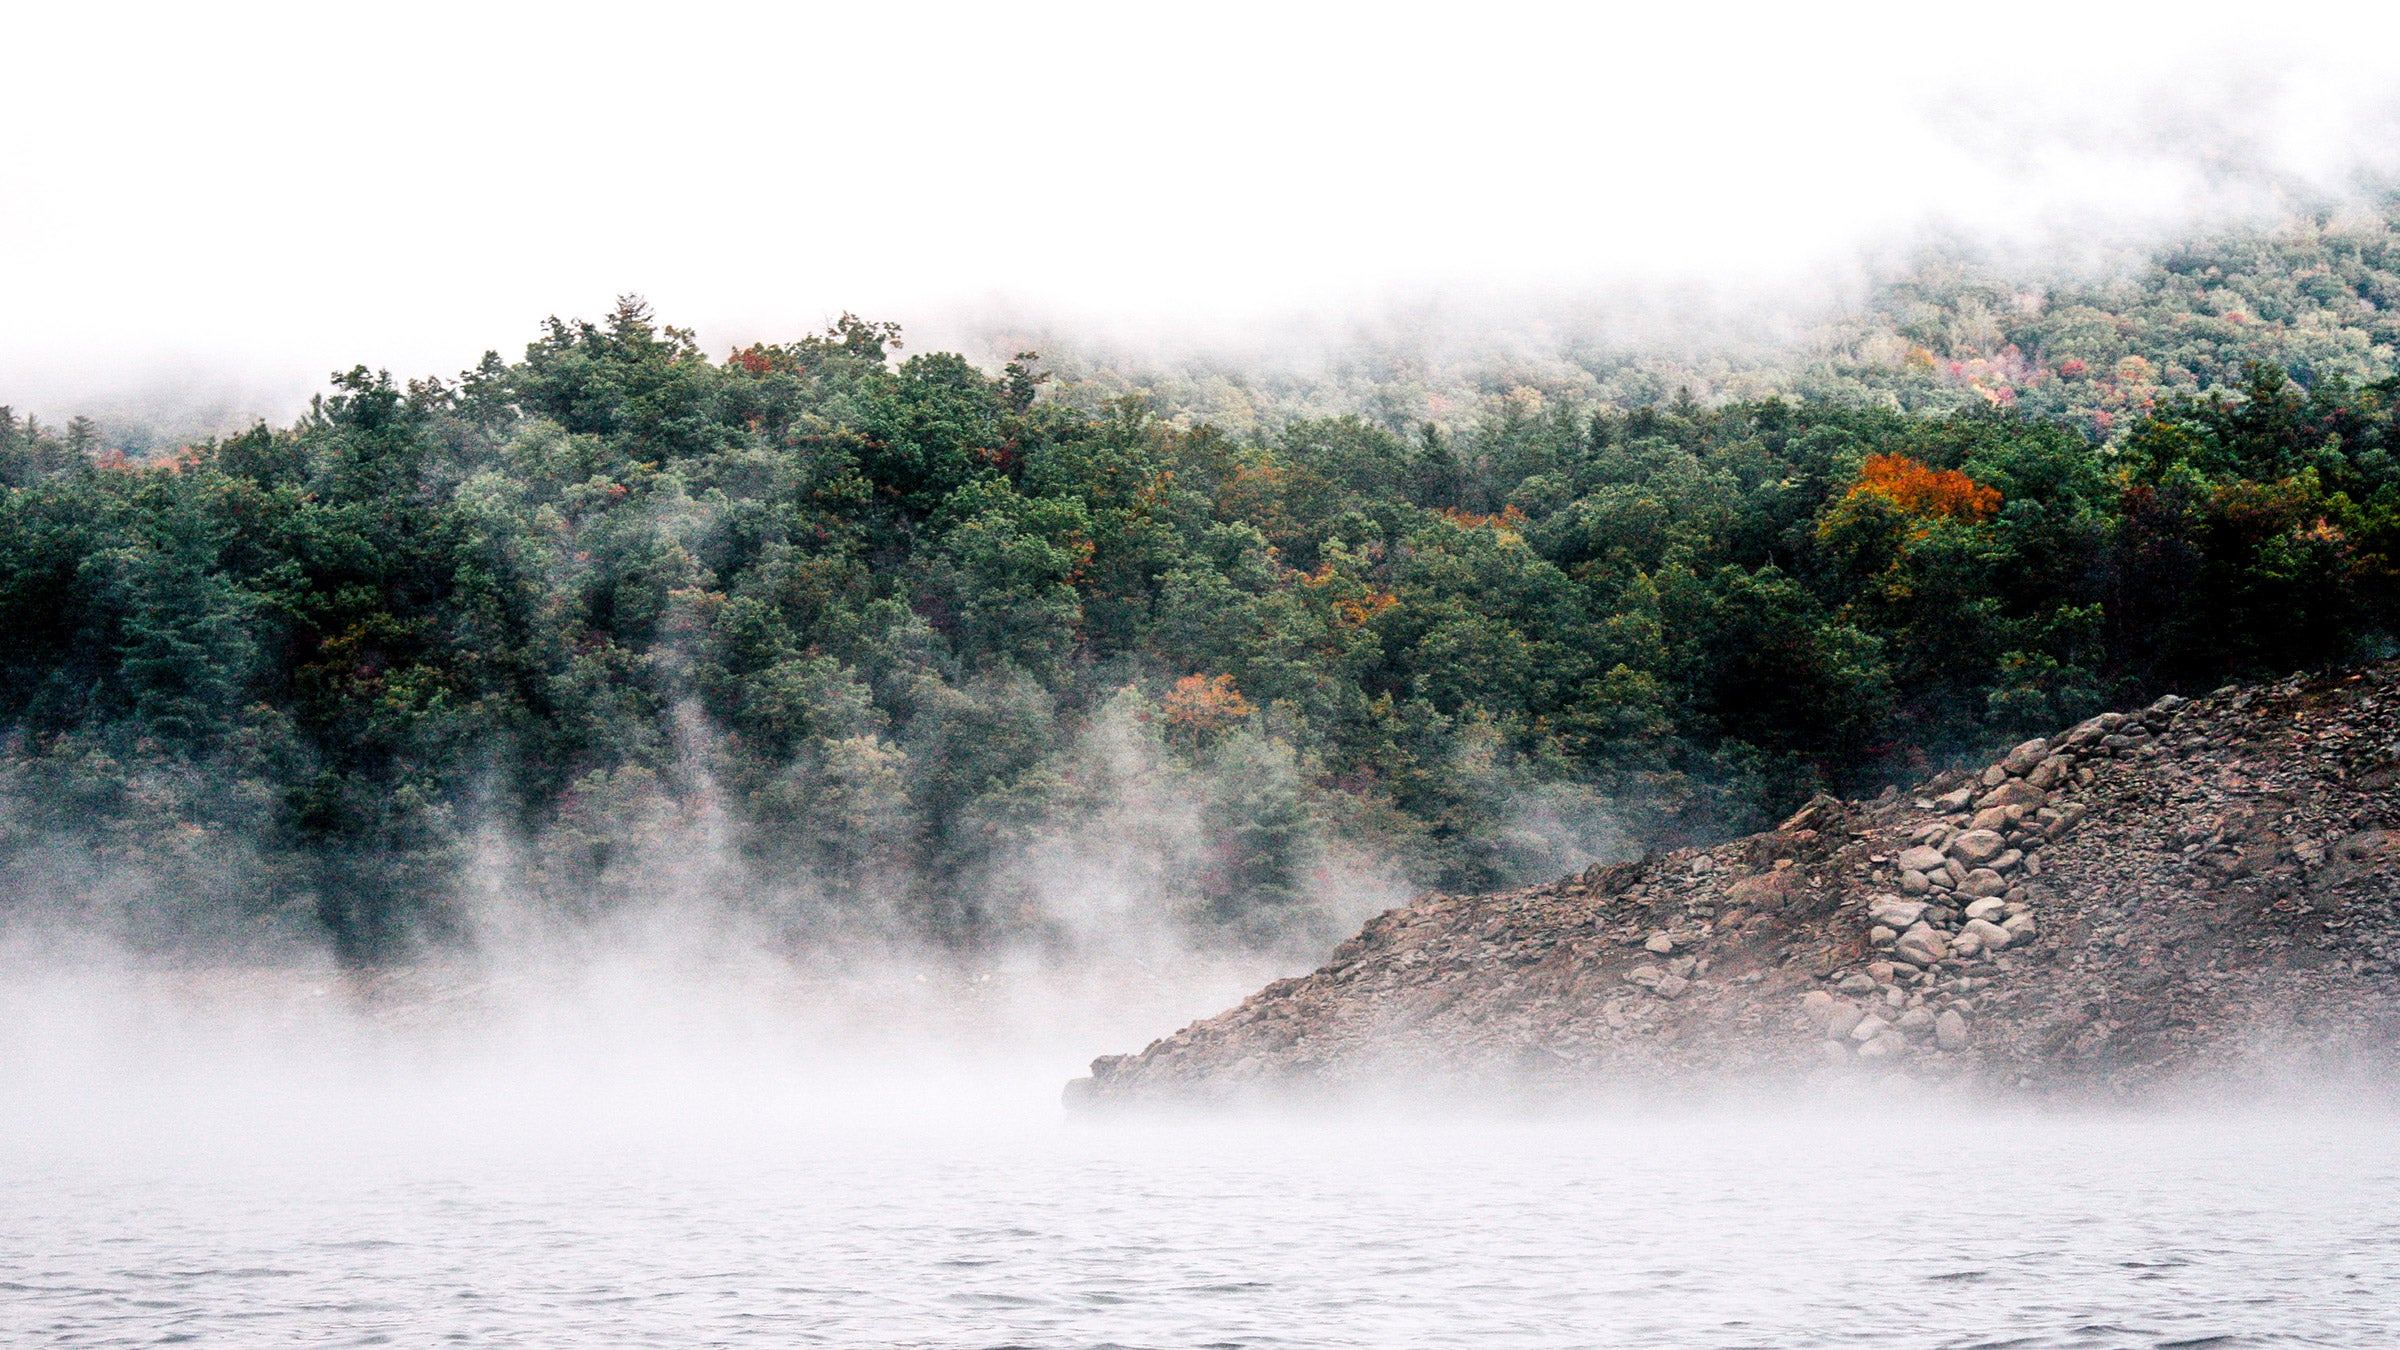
point(2145, 893)
point(1964, 887)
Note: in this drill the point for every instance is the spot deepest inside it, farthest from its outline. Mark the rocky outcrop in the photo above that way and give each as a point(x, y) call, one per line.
point(2146, 894)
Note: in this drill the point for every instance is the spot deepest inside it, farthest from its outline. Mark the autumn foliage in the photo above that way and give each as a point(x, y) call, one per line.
point(1923, 491)
point(1201, 705)
point(1509, 521)
point(1353, 604)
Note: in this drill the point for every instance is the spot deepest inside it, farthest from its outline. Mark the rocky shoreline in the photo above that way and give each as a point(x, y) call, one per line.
point(2192, 887)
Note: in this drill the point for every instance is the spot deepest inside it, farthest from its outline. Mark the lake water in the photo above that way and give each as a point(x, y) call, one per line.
point(745, 1197)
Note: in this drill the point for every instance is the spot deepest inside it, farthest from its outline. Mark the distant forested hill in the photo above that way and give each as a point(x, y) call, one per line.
point(882, 639)
point(2094, 344)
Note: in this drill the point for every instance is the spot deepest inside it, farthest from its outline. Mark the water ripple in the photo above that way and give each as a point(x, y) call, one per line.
point(1483, 1234)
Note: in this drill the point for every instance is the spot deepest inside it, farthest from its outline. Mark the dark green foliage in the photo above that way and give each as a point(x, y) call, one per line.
point(865, 614)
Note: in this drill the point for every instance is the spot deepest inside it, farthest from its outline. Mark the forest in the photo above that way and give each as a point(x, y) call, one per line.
point(887, 640)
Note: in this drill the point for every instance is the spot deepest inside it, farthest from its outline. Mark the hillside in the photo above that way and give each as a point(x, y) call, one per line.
point(2182, 888)
point(2095, 343)
point(904, 646)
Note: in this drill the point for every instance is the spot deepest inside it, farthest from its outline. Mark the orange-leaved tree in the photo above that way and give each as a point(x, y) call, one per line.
point(1928, 493)
point(1897, 503)
point(1199, 706)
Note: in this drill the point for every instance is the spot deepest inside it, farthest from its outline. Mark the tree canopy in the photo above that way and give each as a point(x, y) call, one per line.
point(883, 622)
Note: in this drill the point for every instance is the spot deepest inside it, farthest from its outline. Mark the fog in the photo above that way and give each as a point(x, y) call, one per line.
point(635, 1147)
point(204, 212)
point(665, 1125)
point(688, 1097)
point(153, 1005)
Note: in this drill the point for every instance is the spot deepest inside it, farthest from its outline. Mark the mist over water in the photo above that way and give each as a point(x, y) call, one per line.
point(700, 1093)
point(634, 1151)
point(638, 1133)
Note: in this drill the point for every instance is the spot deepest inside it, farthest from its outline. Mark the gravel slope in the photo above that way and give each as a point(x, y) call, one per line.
point(2190, 888)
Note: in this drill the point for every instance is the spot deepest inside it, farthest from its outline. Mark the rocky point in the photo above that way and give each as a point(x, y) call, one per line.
point(2193, 885)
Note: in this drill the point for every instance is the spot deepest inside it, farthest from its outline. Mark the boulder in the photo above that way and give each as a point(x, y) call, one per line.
point(2085, 733)
point(1977, 847)
point(1950, 1030)
point(1991, 936)
point(2014, 792)
point(1987, 908)
point(1922, 859)
point(1894, 912)
point(1767, 890)
point(1983, 883)
point(1823, 811)
point(2051, 772)
point(1659, 943)
point(1665, 984)
point(1922, 945)
point(1914, 883)
point(1841, 1021)
point(2021, 928)
point(2024, 758)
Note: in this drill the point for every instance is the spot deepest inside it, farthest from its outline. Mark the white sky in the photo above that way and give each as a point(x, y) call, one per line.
point(250, 195)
